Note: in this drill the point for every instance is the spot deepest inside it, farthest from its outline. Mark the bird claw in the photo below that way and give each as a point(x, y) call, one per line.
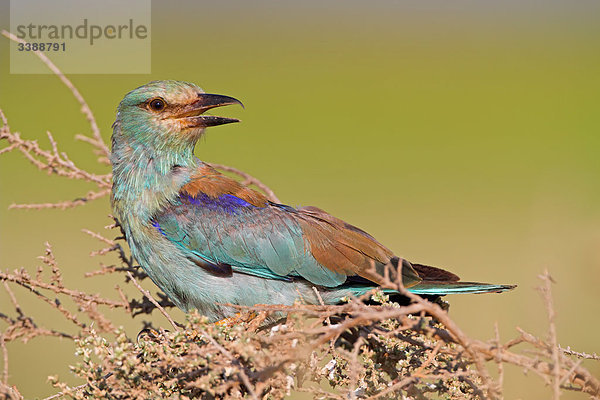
point(148, 333)
point(252, 320)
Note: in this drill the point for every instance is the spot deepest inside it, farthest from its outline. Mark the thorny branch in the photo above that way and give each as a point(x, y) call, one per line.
point(360, 351)
point(96, 139)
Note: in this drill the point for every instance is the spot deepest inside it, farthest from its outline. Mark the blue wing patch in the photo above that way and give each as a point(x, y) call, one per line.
point(227, 233)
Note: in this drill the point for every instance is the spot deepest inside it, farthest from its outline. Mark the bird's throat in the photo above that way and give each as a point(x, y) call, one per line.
point(146, 178)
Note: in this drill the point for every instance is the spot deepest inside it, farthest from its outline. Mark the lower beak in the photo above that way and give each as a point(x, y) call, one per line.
point(193, 114)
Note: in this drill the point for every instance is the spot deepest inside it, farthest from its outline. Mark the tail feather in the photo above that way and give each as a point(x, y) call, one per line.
point(440, 288)
point(435, 282)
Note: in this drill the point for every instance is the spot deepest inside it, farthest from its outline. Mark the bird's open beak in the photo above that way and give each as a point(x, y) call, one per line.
point(192, 113)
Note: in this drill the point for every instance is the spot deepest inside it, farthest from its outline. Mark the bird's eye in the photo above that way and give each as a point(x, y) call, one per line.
point(157, 104)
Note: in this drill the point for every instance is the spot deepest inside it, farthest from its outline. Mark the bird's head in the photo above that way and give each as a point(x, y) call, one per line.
point(169, 113)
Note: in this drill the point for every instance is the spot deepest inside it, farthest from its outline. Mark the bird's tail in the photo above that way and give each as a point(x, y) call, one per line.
point(440, 288)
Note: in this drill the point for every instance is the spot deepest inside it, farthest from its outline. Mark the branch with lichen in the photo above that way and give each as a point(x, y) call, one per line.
point(352, 350)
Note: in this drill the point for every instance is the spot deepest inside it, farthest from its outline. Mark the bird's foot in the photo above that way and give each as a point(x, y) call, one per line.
point(230, 322)
point(148, 334)
point(252, 320)
point(257, 321)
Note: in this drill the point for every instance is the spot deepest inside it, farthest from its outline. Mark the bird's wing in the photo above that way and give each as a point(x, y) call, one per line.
point(226, 227)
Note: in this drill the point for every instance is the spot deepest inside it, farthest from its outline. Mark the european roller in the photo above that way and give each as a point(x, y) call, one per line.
point(207, 240)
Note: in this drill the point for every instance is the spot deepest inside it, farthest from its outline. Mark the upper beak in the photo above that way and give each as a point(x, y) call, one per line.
point(192, 113)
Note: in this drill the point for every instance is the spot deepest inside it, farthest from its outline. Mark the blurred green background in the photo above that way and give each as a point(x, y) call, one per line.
point(461, 134)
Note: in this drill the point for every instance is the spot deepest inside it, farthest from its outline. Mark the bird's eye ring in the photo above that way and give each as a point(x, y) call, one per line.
point(157, 104)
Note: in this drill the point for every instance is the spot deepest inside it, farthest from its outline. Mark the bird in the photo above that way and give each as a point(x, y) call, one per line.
point(210, 242)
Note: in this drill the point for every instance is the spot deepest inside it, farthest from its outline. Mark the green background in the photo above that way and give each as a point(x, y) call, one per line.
point(460, 134)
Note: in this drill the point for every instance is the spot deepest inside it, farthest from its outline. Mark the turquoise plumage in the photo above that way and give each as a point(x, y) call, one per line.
point(207, 240)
